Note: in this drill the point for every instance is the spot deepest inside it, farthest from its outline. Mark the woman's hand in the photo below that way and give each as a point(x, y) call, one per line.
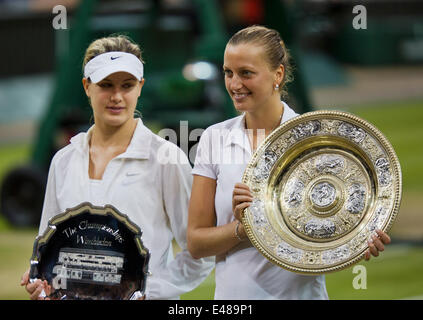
point(34, 288)
point(377, 244)
point(241, 199)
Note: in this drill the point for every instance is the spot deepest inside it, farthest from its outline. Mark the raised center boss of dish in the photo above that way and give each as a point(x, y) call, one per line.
point(323, 194)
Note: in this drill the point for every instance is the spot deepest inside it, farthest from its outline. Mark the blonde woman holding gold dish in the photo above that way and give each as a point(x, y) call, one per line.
point(256, 69)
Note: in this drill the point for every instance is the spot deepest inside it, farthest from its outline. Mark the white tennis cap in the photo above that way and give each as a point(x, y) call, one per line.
point(110, 62)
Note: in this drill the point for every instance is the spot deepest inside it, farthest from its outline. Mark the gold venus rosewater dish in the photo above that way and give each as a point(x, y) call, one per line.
point(322, 183)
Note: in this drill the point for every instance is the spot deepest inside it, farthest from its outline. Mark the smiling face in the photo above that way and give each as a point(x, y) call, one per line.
point(114, 98)
point(249, 79)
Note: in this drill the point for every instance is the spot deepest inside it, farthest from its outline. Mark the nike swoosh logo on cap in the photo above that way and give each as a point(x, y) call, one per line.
point(114, 58)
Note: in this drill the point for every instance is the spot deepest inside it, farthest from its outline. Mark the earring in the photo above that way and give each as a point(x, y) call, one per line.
point(276, 87)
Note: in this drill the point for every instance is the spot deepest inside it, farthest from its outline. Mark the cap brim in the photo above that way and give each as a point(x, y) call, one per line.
point(102, 73)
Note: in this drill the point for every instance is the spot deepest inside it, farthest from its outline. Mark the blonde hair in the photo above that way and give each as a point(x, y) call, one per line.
point(112, 43)
point(274, 47)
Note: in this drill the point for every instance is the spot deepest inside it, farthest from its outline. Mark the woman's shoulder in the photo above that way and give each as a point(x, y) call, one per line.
point(221, 130)
point(167, 151)
point(227, 124)
point(157, 141)
point(76, 143)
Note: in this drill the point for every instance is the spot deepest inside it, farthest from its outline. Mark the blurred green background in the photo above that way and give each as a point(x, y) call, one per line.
point(375, 73)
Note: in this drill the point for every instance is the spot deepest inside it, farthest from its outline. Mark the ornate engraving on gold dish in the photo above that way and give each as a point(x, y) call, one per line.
point(322, 183)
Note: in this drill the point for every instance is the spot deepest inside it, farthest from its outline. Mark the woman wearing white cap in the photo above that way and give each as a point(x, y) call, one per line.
point(118, 162)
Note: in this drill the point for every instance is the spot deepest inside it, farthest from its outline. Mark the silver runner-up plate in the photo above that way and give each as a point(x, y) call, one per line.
point(91, 253)
point(322, 183)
